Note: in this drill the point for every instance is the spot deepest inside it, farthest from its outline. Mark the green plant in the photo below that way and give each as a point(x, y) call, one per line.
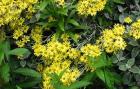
point(10, 70)
point(62, 19)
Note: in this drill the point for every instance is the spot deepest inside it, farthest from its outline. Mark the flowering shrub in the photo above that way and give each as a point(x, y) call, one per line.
point(69, 44)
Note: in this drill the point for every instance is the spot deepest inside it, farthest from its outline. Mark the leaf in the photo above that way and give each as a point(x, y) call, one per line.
point(135, 69)
point(130, 63)
point(72, 35)
point(18, 87)
point(133, 42)
point(100, 61)
point(119, 1)
point(121, 17)
point(89, 76)
point(73, 22)
point(107, 77)
point(6, 48)
point(134, 87)
point(62, 11)
point(20, 52)
point(29, 83)
point(120, 8)
point(135, 52)
point(44, 4)
point(23, 63)
point(123, 67)
point(55, 81)
point(78, 84)
point(1, 56)
point(61, 24)
point(84, 27)
point(4, 72)
point(28, 72)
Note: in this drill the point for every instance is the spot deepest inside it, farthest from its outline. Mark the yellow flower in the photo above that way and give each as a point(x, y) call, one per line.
point(36, 34)
point(17, 33)
point(90, 7)
point(118, 29)
point(11, 9)
point(73, 53)
point(128, 19)
point(91, 50)
point(135, 30)
point(112, 39)
point(39, 49)
point(23, 41)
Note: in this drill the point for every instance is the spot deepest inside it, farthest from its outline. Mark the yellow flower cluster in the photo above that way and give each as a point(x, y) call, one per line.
point(30, 11)
point(90, 7)
point(69, 76)
point(112, 39)
point(135, 30)
point(36, 35)
point(91, 50)
point(19, 31)
point(23, 41)
point(128, 19)
point(58, 56)
point(11, 9)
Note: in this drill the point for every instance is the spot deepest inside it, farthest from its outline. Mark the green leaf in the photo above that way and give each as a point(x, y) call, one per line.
point(1, 56)
point(130, 62)
point(88, 76)
point(62, 11)
point(100, 61)
point(44, 4)
point(18, 87)
point(73, 22)
point(4, 72)
point(72, 35)
point(123, 67)
point(28, 72)
point(6, 48)
point(135, 69)
point(133, 42)
point(78, 84)
point(121, 18)
point(134, 87)
point(107, 77)
point(20, 52)
point(55, 81)
point(119, 1)
point(135, 52)
point(29, 83)
point(61, 24)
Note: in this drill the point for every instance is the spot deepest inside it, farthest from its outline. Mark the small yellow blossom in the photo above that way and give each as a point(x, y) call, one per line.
point(91, 50)
point(36, 34)
point(118, 29)
point(128, 19)
point(112, 39)
point(135, 30)
point(90, 7)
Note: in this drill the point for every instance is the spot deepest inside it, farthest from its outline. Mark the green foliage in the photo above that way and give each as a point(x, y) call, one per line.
point(64, 17)
point(20, 52)
point(116, 71)
point(102, 66)
point(27, 72)
point(9, 71)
